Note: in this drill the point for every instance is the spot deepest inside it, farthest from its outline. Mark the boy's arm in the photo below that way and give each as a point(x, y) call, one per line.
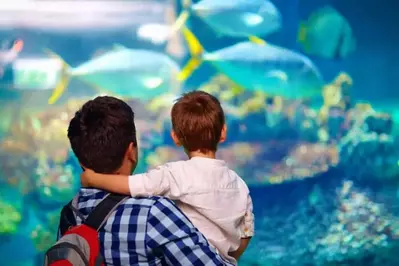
point(113, 183)
point(158, 181)
point(243, 246)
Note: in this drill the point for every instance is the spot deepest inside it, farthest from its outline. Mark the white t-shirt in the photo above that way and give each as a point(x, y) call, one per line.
point(213, 197)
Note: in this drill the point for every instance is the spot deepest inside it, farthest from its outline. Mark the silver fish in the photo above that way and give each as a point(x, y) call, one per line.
point(258, 66)
point(123, 72)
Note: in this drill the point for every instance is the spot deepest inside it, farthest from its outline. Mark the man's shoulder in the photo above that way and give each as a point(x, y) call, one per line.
point(89, 198)
point(158, 210)
point(145, 202)
point(132, 206)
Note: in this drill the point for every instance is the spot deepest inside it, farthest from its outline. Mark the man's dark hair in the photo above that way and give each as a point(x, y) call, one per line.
point(198, 120)
point(100, 133)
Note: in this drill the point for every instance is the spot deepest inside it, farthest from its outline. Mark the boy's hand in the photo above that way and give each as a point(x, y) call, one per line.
point(85, 177)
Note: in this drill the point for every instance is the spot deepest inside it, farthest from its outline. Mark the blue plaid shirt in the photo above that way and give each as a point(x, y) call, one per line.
point(148, 231)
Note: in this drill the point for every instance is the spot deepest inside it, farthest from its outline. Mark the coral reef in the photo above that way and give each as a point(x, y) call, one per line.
point(16, 171)
point(42, 133)
point(10, 217)
point(302, 160)
point(248, 153)
point(368, 150)
point(56, 183)
point(336, 94)
point(328, 227)
point(300, 142)
point(293, 218)
point(320, 159)
point(359, 138)
point(361, 226)
point(42, 238)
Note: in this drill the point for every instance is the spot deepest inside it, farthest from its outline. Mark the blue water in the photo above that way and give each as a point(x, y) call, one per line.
point(322, 213)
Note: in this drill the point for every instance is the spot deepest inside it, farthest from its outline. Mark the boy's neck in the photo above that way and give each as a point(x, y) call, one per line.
point(208, 154)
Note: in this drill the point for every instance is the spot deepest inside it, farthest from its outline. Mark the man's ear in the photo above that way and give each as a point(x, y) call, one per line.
point(132, 153)
point(223, 134)
point(83, 168)
point(175, 138)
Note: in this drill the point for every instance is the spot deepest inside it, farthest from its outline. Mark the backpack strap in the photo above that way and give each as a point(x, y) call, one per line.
point(68, 216)
point(103, 210)
point(73, 205)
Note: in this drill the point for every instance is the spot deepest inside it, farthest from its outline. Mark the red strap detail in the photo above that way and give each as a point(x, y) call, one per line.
point(61, 263)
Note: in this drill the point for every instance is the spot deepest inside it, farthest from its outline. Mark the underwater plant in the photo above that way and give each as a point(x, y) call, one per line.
point(42, 238)
point(10, 217)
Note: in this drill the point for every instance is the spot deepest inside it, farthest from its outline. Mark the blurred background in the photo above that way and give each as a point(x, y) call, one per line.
point(309, 88)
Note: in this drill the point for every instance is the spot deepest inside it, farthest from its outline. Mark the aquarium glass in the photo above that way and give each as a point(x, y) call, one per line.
point(309, 90)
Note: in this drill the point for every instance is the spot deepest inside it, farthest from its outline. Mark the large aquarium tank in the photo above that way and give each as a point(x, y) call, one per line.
point(309, 89)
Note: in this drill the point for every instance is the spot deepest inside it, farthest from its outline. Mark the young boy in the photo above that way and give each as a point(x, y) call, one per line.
point(215, 198)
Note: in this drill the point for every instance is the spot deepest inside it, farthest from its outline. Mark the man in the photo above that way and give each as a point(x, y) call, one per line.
point(141, 231)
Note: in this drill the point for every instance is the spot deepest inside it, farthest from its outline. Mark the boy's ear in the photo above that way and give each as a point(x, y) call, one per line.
point(223, 134)
point(175, 138)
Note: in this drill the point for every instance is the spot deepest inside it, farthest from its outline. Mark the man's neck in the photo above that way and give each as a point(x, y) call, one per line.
point(126, 169)
point(209, 154)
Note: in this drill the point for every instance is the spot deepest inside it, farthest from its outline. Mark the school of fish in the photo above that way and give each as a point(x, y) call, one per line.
point(253, 63)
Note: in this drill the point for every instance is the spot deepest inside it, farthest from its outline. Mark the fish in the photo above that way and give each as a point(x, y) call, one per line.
point(8, 54)
point(255, 65)
point(235, 18)
point(327, 34)
point(123, 72)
